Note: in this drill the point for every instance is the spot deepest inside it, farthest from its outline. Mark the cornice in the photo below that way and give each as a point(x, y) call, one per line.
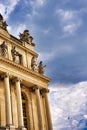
point(24, 69)
point(18, 43)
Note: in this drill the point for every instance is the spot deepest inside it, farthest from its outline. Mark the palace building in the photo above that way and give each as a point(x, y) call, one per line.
point(24, 103)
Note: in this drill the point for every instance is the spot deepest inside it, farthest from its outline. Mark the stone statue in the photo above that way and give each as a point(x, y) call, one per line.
point(41, 67)
point(24, 36)
point(1, 17)
point(3, 23)
point(33, 64)
point(3, 47)
point(14, 53)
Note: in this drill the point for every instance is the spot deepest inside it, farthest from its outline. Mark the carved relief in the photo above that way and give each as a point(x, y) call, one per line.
point(41, 67)
point(3, 49)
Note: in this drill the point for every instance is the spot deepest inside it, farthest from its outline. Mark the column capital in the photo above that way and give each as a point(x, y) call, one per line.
point(33, 88)
point(44, 90)
point(16, 79)
point(4, 75)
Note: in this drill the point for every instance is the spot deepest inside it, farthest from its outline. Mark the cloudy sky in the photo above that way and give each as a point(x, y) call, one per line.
point(60, 34)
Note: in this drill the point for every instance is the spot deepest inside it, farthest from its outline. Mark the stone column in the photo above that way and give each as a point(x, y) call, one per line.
point(19, 104)
point(7, 100)
point(39, 109)
point(48, 113)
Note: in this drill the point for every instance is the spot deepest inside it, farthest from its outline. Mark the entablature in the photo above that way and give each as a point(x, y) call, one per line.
point(27, 75)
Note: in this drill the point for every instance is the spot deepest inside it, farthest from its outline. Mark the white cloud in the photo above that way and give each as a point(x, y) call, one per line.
point(70, 28)
point(17, 29)
point(40, 2)
point(37, 3)
point(68, 105)
point(2, 8)
point(7, 7)
point(69, 19)
point(66, 14)
point(46, 31)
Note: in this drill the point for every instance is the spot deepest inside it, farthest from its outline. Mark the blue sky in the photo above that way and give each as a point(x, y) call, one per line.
point(60, 34)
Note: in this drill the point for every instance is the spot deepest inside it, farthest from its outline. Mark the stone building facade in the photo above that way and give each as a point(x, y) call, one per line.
point(24, 90)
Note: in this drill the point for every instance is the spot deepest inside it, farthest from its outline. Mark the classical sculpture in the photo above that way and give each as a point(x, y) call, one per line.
point(33, 64)
point(3, 48)
point(41, 67)
point(15, 54)
point(3, 23)
point(1, 17)
point(24, 36)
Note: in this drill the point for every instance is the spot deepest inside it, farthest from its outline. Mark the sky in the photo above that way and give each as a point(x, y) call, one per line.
point(60, 34)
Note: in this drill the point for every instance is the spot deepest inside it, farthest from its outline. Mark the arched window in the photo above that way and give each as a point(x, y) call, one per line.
point(24, 105)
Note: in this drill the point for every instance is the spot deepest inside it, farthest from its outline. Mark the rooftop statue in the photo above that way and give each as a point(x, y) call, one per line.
point(41, 67)
point(24, 36)
point(1, 17)
point(3, 23)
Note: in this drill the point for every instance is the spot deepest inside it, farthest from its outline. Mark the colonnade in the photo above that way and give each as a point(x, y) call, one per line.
point(19, 105)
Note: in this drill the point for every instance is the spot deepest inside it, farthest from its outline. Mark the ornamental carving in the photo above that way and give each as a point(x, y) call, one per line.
point(41, 67)
point(3, 49)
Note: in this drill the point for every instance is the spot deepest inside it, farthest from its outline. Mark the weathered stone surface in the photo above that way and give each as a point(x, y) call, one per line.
point(21, 66)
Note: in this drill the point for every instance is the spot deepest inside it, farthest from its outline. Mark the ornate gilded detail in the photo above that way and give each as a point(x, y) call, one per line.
point(3, 23)
point(3, 49)
point(41, 67)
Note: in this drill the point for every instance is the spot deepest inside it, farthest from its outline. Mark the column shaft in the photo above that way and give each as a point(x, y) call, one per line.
point(39, 109)
point(50, 127)
point(7, 101)
point(19, 105)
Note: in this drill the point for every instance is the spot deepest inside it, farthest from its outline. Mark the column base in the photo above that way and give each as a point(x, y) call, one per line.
point(10, 127)
point(7, 128)
point(21, 128)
